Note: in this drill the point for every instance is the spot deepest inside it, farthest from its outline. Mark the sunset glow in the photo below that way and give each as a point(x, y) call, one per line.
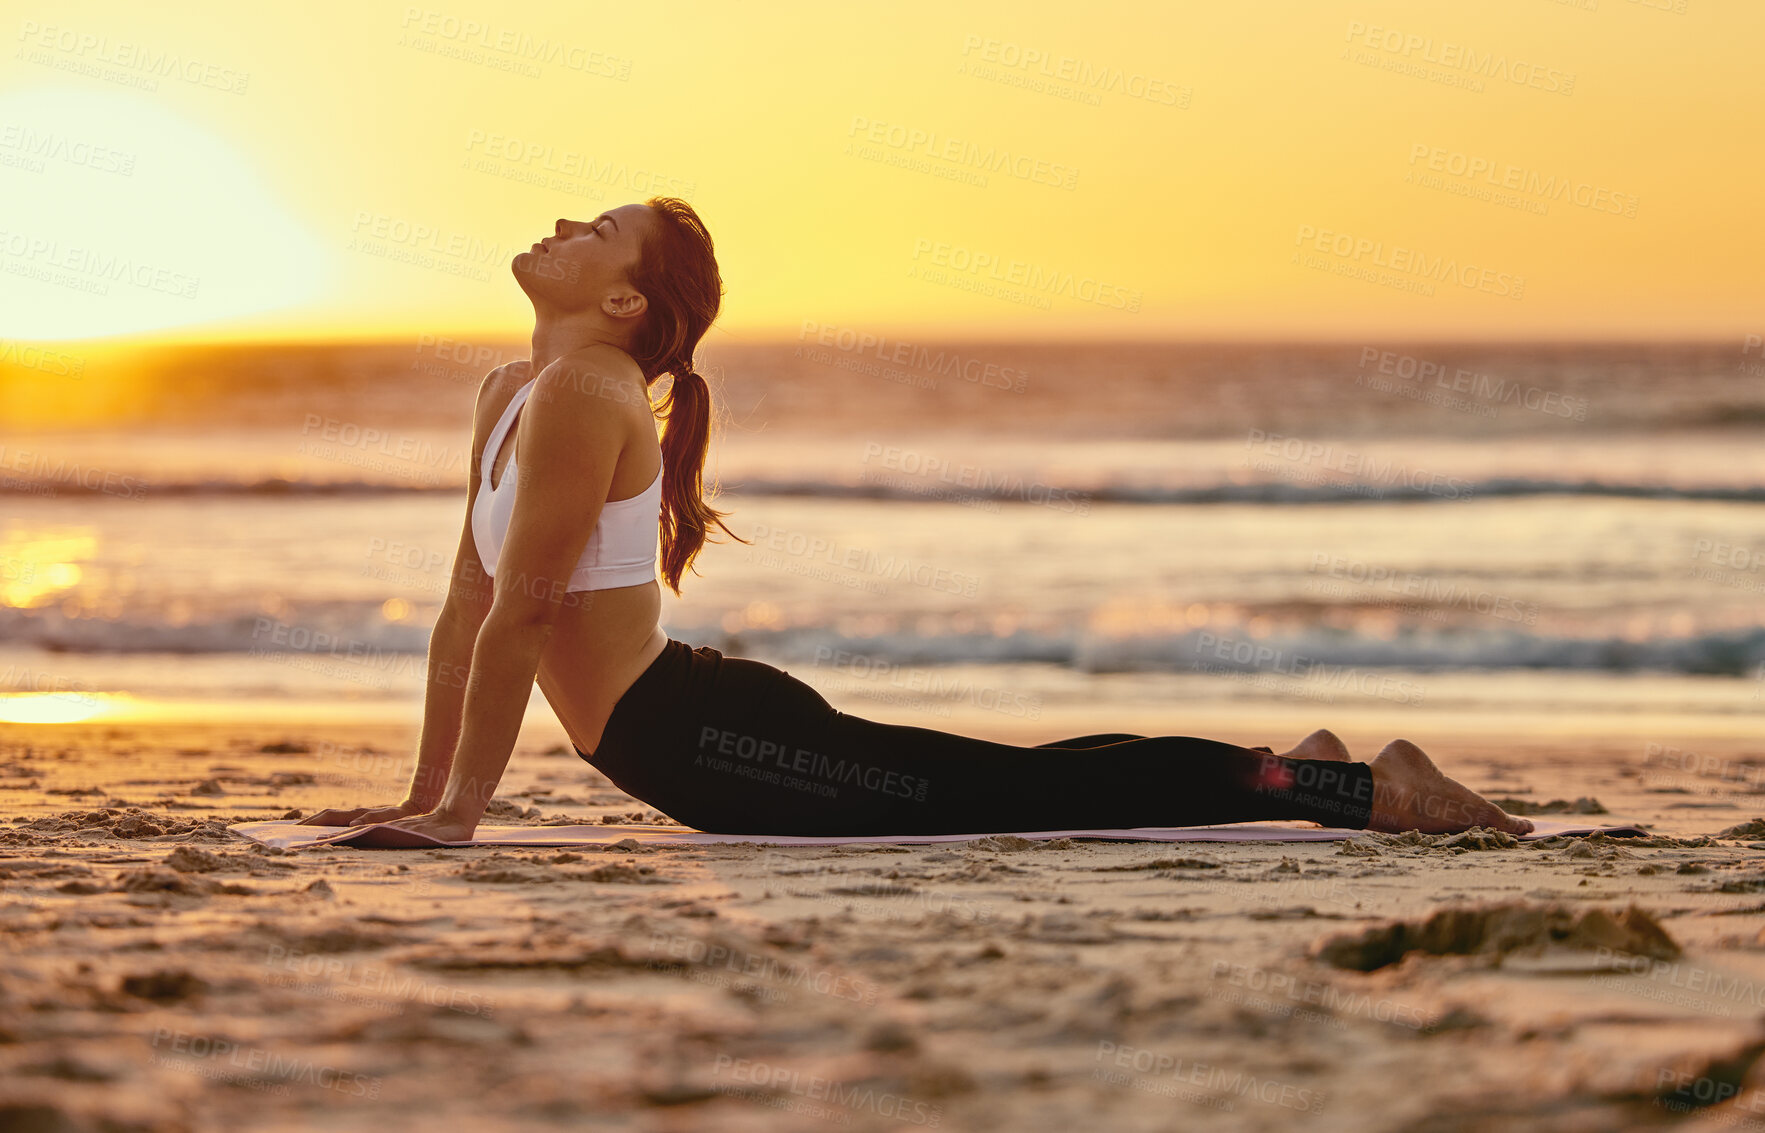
point(1289, 170)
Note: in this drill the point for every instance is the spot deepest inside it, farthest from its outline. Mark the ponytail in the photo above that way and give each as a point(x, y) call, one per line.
point(677, 273)
point(686, 517)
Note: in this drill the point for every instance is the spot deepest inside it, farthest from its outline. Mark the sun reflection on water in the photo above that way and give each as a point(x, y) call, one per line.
point(38, 566)
point(56, 707)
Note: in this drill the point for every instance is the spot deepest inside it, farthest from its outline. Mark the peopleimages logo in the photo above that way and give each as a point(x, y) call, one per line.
point(936, 361)
point(92, 48)
point(48, 475)
point(1410, 261)
point(812, 769)
point(1519, 179)
point(1084, 76)
point(1461, 57)
point(1481, 386)
point(976, 478)
point(33, 357)
point(862, 1098)
point(1355, 463)
point(1031, 277)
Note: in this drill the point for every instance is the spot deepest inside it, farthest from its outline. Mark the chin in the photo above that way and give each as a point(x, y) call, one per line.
point(525, 268)
point(535, 268)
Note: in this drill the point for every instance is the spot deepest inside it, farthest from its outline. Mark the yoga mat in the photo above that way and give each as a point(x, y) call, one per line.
point(292, 835)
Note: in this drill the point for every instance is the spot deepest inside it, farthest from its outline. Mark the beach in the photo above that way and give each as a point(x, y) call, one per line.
point(217, 605)
point(1199, 371)
point(164, 973)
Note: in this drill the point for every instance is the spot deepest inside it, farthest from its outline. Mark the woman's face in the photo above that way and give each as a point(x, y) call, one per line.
point(583, 262)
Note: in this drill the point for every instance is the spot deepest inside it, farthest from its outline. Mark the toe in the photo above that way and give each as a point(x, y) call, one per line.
point(1505, 821)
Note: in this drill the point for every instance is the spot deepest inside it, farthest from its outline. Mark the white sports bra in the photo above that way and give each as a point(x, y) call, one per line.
point(620, 552)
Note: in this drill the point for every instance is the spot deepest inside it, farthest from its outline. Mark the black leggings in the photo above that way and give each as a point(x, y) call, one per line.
point(734, 746)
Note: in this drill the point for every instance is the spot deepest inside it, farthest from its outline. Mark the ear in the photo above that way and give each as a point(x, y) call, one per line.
point(625, 304)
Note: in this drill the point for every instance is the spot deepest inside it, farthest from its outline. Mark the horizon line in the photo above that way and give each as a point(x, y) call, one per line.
point(772, 337)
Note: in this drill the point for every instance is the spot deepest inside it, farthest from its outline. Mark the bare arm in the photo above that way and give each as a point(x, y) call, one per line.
point(450, 665)
point(468, 601)
point(568, 450)
point(450, 653)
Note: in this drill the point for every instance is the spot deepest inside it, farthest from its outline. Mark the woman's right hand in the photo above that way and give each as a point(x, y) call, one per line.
point(362, 815)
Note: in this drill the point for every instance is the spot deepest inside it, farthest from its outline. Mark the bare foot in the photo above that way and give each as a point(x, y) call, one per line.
point(1320, 745)
point(1410, 793)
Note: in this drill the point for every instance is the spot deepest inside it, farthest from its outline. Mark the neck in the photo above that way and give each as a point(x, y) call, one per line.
point(556, 334)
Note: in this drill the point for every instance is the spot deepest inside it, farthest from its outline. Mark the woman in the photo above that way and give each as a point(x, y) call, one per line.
point(555, 578)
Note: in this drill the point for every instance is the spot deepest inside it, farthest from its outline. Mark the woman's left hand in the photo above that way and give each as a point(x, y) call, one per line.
point(439, 825)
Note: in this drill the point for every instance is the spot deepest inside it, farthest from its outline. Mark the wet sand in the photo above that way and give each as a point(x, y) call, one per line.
point(161, 973)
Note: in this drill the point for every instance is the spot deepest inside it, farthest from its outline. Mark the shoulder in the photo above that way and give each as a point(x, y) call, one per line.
point(494, 394)
point(501, 383)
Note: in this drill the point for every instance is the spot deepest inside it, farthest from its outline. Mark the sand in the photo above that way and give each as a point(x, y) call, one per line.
point(160, 973)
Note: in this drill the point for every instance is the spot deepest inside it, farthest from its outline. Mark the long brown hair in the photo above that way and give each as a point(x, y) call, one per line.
point(677, 273)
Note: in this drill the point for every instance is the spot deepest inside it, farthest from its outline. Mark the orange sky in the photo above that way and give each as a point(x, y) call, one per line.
point(1282, 169)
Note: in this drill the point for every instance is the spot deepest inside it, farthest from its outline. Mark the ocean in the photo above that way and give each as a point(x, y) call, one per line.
point(1024, 540)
